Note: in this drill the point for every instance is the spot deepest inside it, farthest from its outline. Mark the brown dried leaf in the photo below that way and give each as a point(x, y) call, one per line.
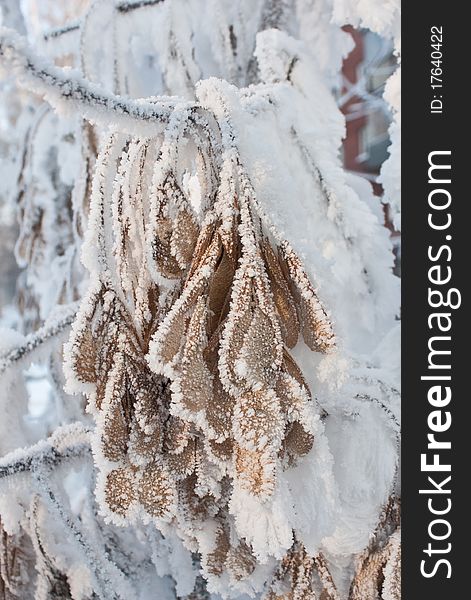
point(258, 422)
point(177, 435)
point(203, 243)
point(291, 367)
point(170, 343)
point(184, 236)
point(149, 395)
point(392, 569)
point(240, 561)
point(315, 324)
point(143, 445)
point(157, 492)
point(282, 297)
point(115, 433)
point(255, 471)
point(219, 410)
point(161, 249)
point(228, 231)
point(257, 360)
point(193, 505)
point(120, 490)
point(367, 583)
point(222, 450)
point(168, 340)
point(219, 290)
point(195, 380)
point(298, 442)
point(293, 398)
point(183, 464)
point(293, 579)
point(215, 560)
point(86, 357)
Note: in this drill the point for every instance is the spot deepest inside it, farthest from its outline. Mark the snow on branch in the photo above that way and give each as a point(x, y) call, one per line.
point(67, 442)
point(57, 32)
point(121, 8)
point(124, 7)
point(36, 340)
point(59, 86)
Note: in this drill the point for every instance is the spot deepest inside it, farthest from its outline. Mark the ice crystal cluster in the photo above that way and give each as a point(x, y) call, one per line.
point(211, 301)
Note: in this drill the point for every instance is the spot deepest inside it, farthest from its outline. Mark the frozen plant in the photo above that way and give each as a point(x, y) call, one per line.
point(212, 299)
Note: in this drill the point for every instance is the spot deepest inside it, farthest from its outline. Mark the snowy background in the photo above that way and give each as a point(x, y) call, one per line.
point(306, 95)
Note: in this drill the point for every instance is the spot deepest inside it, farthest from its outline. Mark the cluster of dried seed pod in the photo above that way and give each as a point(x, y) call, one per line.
point(182, 346)
point(378, 570)
point(377, 573)
point(108, 347)
point(225, 343)
point(300, 576)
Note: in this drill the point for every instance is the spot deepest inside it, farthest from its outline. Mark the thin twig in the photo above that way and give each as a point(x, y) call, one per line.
point(129, 5)
point(60, 31)
point(37, 339)
point(58, 85)
point(50, 452)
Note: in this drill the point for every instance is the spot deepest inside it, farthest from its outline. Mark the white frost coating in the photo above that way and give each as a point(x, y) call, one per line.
point(329, 44)
point(268, 527)
point(313, 479)
point(9, 339)
point(381, 17)
point(363, 475)
point(66, 89)
point(261, 163)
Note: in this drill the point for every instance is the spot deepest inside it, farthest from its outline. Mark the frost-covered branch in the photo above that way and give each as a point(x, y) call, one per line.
point(67, 442)
point(130, 5)
point(210, 330)
point(58, 32)
point(122, 8)
point(35, 340)
point(396, 426)
point(66, 86)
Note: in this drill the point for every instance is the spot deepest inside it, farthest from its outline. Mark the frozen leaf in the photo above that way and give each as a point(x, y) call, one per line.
point(115, 434)
point(219, 290)
point(120, 490)
point(195, 381)
point(255, 471)
point(240, 561)
point(297, 441)
point(219, 411)
point(282, 297)
point(184, 236)
point(156, 492)
point(177, 434)
point(184, 463)
point(215, 560)
point(315, 324)
point(258, 357)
